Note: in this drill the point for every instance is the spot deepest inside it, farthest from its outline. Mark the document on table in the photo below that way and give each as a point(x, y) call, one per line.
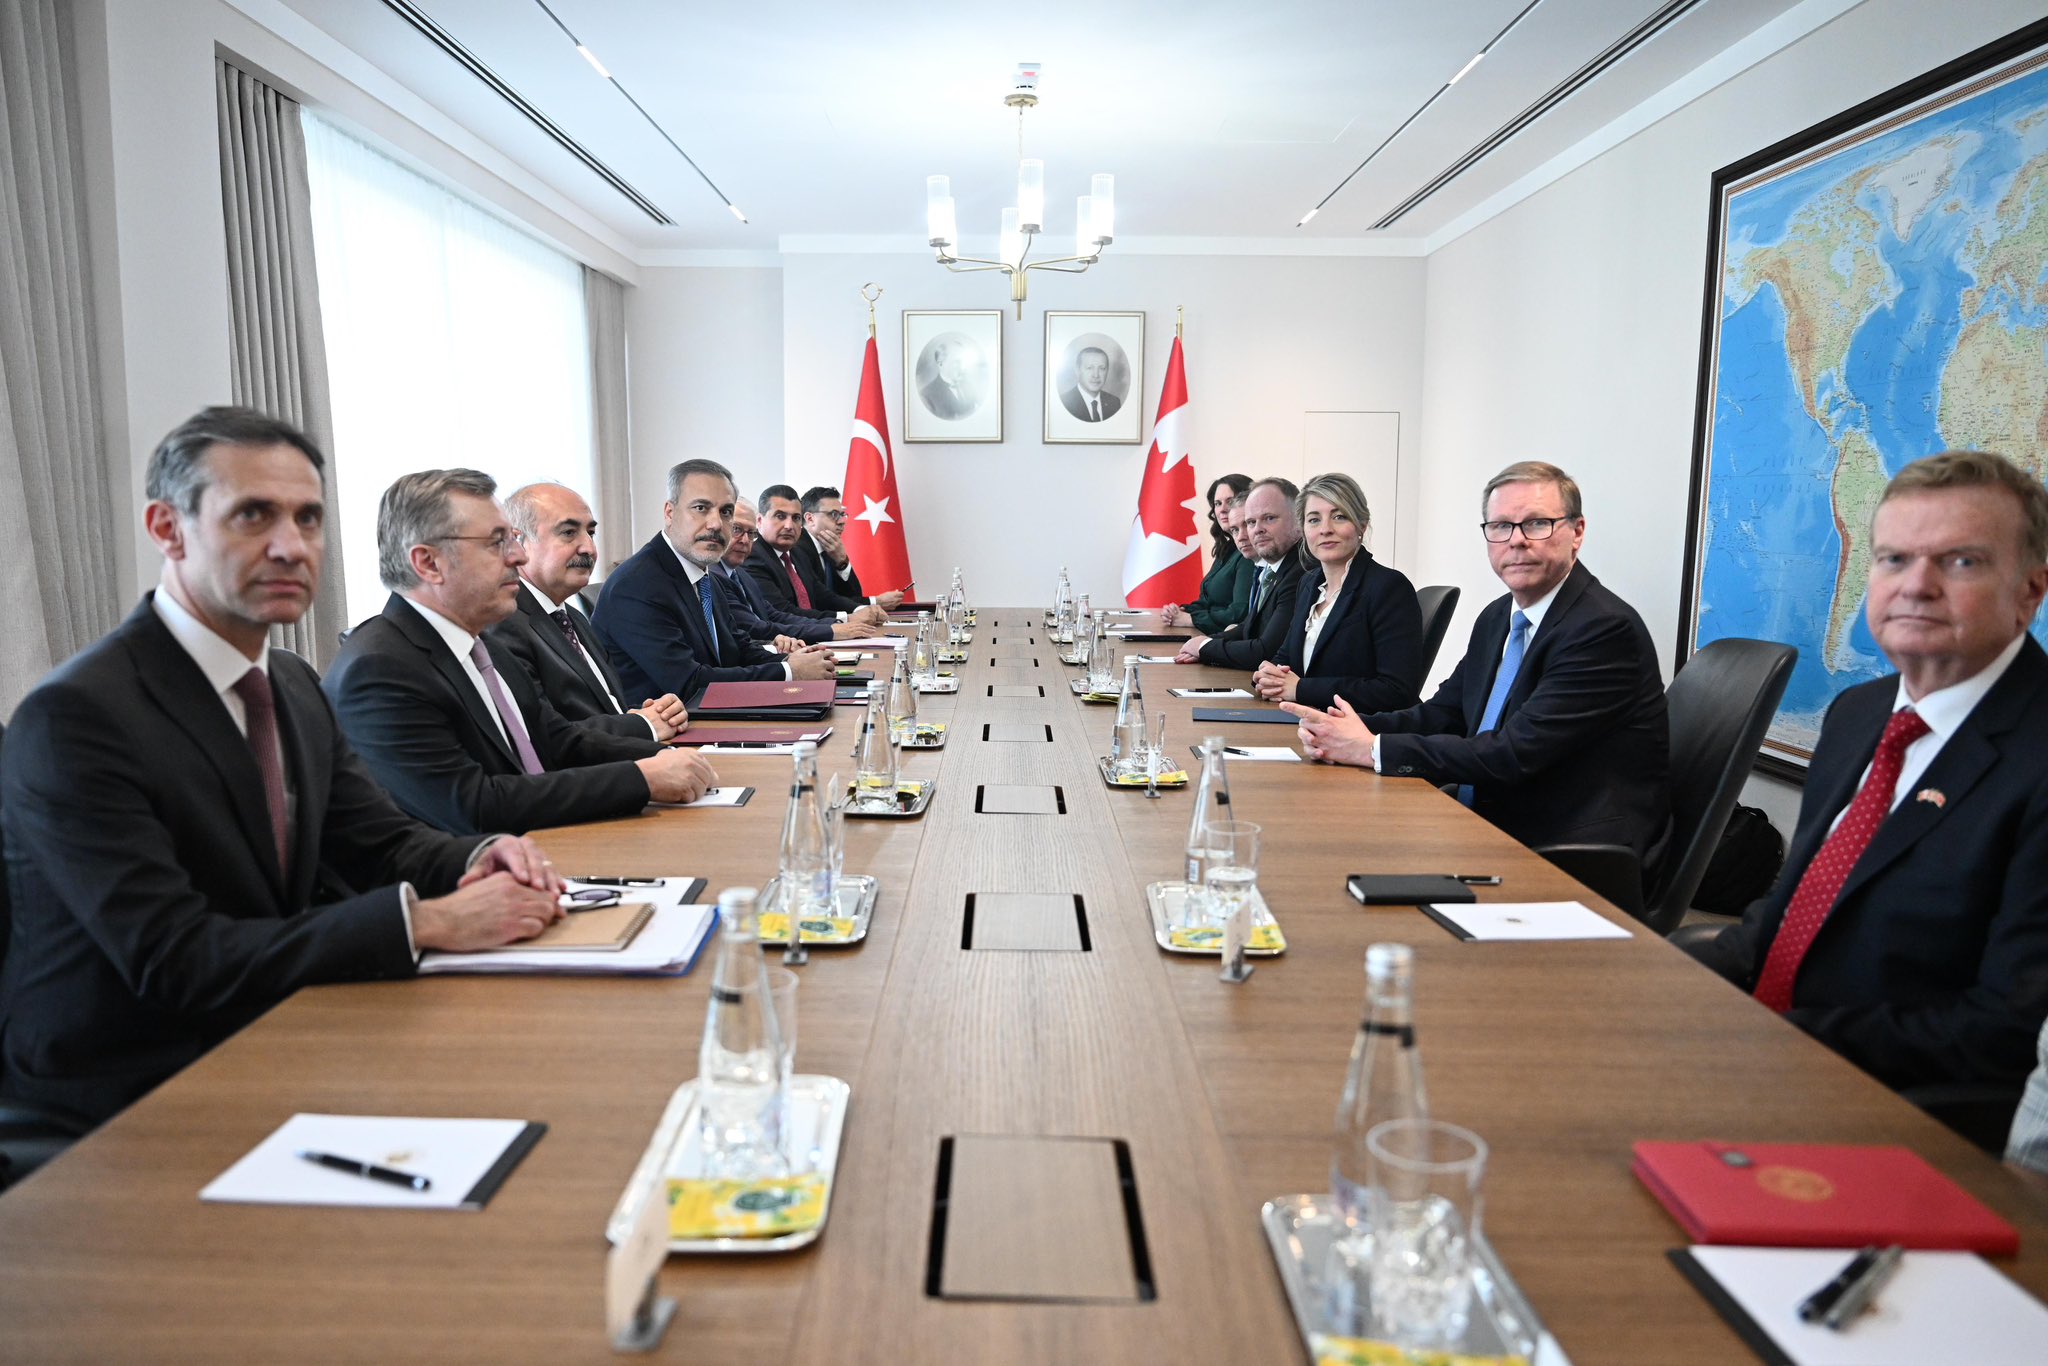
point(465, 1160)
point(1940, 1306)
point(717, 796)
point(872, 643)
point(667, 945)
point(1209, 692)
point(1157, 659)
point(1524, 920)
point(1262, 754)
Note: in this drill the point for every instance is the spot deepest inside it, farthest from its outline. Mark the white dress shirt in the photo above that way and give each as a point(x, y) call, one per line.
point(696, 573)
point(1318, 613)
point(461, 642)
point(1535, 612)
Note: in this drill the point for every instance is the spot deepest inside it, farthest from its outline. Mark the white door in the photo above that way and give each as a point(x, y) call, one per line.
point(1366, 446)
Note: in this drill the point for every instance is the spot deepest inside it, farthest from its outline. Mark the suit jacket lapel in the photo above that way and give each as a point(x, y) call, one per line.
point(174, 680)
point(550, 631)
point(306, 774)
point(587, 629)
point(414, 628)
point(1346, 596)
point(1538, 648)
point(1489, 638)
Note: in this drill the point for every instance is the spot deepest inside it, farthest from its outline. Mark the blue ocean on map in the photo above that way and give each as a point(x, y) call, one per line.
point(1771, 547)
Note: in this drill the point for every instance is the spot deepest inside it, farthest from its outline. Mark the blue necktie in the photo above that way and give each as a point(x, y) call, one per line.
point(1258, 590)
point(704, 592)
point(1503, 680)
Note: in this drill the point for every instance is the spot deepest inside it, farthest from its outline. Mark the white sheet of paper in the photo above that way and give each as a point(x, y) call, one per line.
point(1204, 693)
point(1532, 920)
point(1940, 1306)
point(748, 749)
point(664, 943)
point(1262, 754)
point(718, 796)
point(1158, 659)
point(452, 1153)
point(873, 643)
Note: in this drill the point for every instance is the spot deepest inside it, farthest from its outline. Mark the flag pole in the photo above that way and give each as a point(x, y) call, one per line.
point(878, 294)
point(1178, 311)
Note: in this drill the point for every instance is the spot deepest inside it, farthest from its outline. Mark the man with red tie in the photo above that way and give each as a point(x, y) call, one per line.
point(777, 564)
point(1909, 928)
point(189, 836)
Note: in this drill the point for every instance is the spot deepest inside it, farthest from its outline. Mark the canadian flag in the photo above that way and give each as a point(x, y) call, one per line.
point(1163, 563)
point(874, 525)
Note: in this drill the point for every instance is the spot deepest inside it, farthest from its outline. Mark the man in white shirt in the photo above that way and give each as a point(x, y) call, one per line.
point(549, 633)
point(453, 726)
point(822, 559)
point(190, 838)
point(1909, 928)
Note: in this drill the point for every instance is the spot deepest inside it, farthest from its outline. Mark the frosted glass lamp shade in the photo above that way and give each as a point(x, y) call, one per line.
point(1010, 249)
point(1102, 196)
point(941, 227)
point(1031, 195)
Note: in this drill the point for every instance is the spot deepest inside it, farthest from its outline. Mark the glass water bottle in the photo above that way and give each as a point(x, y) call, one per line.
point(874, 776)
point(739, 1066)
point(805, 872)
point(902, 702)
point(1212, 804)
point(1385, 1081)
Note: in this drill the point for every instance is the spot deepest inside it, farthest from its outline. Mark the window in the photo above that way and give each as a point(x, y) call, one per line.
point(453, 339)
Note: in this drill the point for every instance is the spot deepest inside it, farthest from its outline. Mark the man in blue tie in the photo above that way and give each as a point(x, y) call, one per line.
point(1553, 725)
point(663, 618)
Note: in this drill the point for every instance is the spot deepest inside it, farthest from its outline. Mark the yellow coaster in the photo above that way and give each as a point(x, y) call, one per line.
point(911, 785)
point(745, 1209)
point(1177, 778)
point(1265, 938)
point(1335, 1351)
point(930, 729)
point(818, 930)
point(1099, 696)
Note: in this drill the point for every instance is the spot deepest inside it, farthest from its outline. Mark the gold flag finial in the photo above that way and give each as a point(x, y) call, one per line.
point(1178, 310)
point(871, 302)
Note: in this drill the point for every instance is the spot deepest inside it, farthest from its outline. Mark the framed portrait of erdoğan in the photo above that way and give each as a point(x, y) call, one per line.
point(1094, 377)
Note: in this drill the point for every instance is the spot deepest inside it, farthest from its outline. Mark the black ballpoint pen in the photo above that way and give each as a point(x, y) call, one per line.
point(354, 1167)
point(1240, 753)
point(1817, 1304)
point(619, 881)
point(1854, 1300)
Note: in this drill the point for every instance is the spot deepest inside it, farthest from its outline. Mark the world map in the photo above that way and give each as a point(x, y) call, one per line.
point(1878, 304)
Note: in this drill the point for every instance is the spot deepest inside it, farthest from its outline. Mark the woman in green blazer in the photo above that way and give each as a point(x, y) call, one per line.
point(1227, 587)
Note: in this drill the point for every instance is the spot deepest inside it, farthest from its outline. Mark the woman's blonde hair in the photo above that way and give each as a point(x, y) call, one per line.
point(1341, 492)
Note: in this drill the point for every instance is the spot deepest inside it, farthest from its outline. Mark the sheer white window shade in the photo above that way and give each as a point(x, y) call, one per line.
point(453, 339)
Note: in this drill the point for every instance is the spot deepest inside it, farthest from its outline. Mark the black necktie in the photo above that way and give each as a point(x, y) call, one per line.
point(568, 625)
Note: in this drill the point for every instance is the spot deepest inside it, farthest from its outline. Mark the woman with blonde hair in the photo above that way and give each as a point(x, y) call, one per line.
point(1357, 631)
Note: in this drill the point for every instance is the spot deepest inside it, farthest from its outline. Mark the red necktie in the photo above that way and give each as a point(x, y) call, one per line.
point(260, 706)
point(1823, 879)
point(803, 594)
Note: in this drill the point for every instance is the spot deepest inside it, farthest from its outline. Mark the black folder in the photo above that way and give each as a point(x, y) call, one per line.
point(1269, 716)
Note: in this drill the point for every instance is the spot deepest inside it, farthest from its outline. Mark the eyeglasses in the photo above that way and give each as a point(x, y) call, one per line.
point(498, 542)
point(1532, 528)
point(838, 516)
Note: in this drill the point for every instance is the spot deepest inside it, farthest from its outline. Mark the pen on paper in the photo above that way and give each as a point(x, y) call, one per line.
point(390, 1176)
point(1823, 1300)
point(619, 881)
point(1858, 1296)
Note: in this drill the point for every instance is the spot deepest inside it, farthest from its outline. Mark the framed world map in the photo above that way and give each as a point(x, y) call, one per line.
point(1877, 291)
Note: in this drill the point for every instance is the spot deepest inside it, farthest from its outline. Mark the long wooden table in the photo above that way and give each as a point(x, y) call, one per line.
point(1559, 1054)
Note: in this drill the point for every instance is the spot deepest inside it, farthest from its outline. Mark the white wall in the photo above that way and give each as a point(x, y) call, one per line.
point(704, 350)
point(1268, 339)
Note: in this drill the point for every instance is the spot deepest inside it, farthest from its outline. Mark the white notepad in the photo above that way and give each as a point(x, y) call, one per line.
point(465, 1159)
point(1939, 1307)
point(667, 945)
point(1525, 920)
point(1261, 754)
point(720, 796)
point(1209, 692)
point(873, 643)
point(1155, 659)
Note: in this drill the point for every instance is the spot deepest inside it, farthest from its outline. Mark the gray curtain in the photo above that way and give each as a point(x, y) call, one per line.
point(604, 300)
point(274, 298)
point(57, 589)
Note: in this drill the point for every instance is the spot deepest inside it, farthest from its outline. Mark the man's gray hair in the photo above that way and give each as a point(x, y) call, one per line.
point(177, 470)
point(415, 511)
point(677, 474)
point(523, 504)
point(1536, 472)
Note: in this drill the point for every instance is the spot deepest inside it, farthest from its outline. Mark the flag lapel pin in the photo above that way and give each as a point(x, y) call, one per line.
point(1933, 796)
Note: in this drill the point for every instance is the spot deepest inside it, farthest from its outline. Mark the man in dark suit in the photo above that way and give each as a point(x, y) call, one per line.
point(662, 616)
point(178, 796)
point(1908, 930)
point(1273, 532)
point(450, 722)
point(1087, 399)
point(791, 587)
point(752, 613)
point(822, 559)
point(1553, 724)
point(549, 633)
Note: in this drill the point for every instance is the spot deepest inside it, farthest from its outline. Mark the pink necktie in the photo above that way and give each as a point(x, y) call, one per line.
point(515, 725)
point(1822, 882)
point(260, 704)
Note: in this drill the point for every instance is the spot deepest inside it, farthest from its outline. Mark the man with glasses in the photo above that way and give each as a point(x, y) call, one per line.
point(821, 557)
point(1271, 534)
point(1553, 724)
point(451, 722)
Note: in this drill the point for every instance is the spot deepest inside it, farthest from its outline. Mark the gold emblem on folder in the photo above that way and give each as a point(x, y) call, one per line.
point(1795, 1183)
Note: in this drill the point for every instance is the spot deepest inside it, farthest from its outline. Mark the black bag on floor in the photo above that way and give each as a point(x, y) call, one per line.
point(1744, 866)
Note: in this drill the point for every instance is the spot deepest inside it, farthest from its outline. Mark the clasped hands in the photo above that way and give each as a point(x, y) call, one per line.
point(666, 714)
point(509, 892)
point(1336, 736)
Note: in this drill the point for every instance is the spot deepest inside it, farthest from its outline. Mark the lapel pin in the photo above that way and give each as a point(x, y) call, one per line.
point(1932, 795)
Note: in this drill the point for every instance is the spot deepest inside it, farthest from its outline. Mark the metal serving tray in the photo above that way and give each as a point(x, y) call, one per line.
point(1110, 778)
point(1164, 900)
point(813, 1122)
point(905, 810)
point(858, 893)
point(944, 683)
point(1302, 1229)
point(933, 738)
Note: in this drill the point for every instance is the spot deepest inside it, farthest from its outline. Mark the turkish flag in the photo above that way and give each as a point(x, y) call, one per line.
point(1164, 560)
point(874, 522)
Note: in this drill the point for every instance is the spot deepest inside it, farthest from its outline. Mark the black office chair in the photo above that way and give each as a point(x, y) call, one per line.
point(30, 1134)
point(1721, 703)
point(1439, 602)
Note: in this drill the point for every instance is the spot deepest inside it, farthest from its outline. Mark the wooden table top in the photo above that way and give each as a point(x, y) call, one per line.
point(1559, 1054)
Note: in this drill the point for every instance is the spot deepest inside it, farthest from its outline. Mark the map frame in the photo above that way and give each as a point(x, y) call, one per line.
point(1919, 99)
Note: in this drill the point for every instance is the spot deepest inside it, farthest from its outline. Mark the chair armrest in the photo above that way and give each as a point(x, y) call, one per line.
point(1611, 870)
point(1688, 937)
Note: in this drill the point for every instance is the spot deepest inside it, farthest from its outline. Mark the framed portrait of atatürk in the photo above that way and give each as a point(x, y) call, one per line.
point(1094, 377)
point(953, 374)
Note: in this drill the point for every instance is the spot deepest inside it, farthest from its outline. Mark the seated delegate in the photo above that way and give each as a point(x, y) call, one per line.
point(1227, 587)
point(1357, 631)
point(1273, 531)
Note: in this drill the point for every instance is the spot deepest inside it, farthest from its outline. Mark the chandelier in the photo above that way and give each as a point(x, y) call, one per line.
point(1094, 212)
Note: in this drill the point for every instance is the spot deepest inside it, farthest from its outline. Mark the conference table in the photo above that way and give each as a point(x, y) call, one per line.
point(992, 1030)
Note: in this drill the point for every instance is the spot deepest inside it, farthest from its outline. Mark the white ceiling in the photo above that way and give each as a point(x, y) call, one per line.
point(1220, 118)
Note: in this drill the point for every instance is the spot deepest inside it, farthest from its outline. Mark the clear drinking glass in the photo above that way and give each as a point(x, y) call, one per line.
point(1155, 742)
point(1102, 669)
point(1425, 1206)
point(1230, 870)
point(1128, 744)
point(798, 1146)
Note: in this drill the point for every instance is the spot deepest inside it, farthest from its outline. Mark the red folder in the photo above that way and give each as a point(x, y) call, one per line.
point(750, 735)
point(774, 700)
point(1817, 1195)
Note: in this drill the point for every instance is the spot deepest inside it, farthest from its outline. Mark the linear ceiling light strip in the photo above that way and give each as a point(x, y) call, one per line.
point(1649, 28)
point(446, 41)
point(1419, 112)
point(614, 82)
